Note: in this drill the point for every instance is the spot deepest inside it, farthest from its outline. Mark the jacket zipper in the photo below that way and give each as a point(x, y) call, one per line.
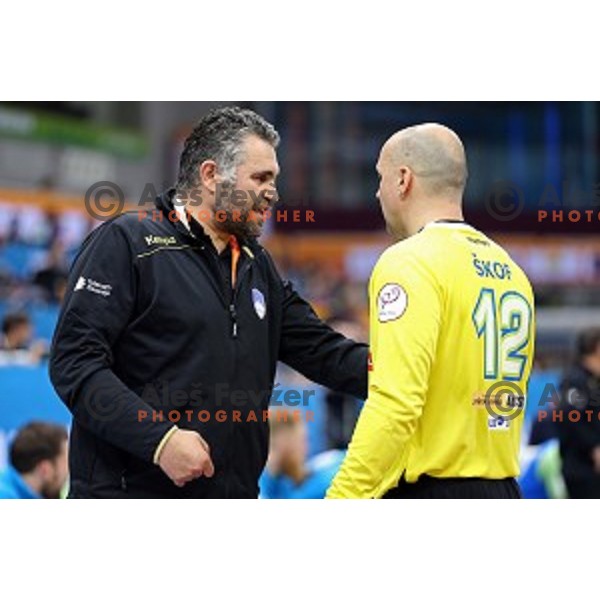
point(232, 310)
point(234, 332)
point(233, 314)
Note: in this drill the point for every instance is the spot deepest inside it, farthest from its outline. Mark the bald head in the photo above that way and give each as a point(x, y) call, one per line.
point(434, 154)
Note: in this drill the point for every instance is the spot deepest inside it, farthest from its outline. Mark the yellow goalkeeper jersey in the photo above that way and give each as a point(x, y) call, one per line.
point(452, 338)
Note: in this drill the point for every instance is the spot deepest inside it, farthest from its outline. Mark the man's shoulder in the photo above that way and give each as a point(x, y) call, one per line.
point(136, 223)
point(7, 489)
point(408, 254)
point(7, 493)
point(575, 377)
point(140, 232)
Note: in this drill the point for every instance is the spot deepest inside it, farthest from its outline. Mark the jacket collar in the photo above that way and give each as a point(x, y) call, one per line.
point(193, 230)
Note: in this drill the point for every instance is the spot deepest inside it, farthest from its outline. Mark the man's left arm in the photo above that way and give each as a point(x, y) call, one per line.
point(405, 317)
point(321, 354)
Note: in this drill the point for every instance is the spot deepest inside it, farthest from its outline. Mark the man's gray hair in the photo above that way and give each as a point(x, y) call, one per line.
point(219, 136)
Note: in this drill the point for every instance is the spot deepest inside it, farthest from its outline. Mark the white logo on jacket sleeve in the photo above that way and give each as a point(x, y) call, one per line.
point(260, 306)
point(91, 285)
point(392, 301)
point(80, 284)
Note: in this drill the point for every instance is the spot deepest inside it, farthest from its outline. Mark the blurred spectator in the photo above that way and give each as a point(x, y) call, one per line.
point(52, 276)
point(342, 409)
point(580, 437)
point(16, 347)
point(288, 475)
point(38, 463)
point(541, 477)
point(33, 226)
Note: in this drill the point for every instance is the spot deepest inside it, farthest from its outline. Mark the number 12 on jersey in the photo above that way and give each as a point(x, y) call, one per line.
point(505, 326)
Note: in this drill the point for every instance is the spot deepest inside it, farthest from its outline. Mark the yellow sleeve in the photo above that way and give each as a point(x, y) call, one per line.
point(405, 315)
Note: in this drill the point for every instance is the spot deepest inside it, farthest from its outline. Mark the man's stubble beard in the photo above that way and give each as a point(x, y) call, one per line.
point(247, 226)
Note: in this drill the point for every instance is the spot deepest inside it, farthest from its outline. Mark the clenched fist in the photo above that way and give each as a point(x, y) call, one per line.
point(185, 457)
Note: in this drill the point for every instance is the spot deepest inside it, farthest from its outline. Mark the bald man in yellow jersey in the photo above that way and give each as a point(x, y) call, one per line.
point(452, 338)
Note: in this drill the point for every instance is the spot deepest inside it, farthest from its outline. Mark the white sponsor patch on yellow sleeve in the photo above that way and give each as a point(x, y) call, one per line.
point(392, 301)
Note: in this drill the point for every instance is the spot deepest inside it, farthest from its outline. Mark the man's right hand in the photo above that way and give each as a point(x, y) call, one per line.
point(185, 457)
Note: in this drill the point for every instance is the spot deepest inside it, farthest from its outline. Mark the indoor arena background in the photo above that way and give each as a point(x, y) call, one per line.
point(532, 186)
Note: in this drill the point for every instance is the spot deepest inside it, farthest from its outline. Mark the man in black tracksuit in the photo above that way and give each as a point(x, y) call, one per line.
point(160, 317)
point(579, 435)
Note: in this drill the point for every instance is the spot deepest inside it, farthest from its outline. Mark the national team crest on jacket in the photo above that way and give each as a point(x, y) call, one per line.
point(260, 306)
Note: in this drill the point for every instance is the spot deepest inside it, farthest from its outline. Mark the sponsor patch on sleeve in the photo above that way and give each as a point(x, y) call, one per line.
point(91, 285)
point(392, 301)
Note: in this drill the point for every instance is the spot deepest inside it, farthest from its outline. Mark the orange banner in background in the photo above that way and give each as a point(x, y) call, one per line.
point(45, 199)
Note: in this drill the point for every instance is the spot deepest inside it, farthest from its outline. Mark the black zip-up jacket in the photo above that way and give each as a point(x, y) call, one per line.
point(150, 322)
point(580, 392)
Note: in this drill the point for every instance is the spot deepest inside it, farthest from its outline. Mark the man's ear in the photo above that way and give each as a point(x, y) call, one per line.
point(405, 180)
point(208, 175)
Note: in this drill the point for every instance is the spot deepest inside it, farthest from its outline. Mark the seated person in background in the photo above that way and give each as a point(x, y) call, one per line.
point(580, 437)
point(38, 463)
point(16, 347)
point(52, 276)
point(343, 409)
point(541, 474)
point(288, 475)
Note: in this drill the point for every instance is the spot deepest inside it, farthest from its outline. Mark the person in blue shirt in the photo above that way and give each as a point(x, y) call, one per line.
point(541, 476)
point(288, 474)
point(38, 463)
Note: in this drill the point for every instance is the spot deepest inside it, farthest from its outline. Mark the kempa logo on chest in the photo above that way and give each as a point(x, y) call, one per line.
point(156, 240)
